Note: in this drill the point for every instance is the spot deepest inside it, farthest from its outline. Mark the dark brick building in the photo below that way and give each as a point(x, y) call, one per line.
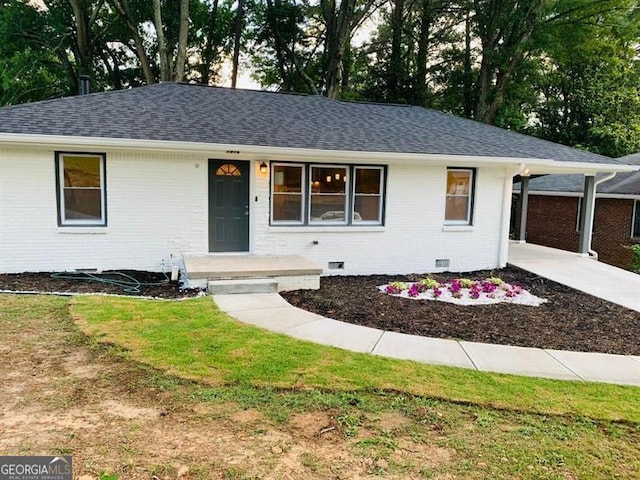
point(554, 203)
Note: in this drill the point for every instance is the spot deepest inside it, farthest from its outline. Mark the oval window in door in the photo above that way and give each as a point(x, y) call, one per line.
point(228, 170)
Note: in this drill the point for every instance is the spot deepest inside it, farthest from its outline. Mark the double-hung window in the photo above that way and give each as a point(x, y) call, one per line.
point(367, 195)
point(81, 182)
point(459, 196)
point(305, 194)
point(328, 201)
point(287, 193)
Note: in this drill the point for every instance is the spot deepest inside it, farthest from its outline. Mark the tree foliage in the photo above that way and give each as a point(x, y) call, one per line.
point(565, 70)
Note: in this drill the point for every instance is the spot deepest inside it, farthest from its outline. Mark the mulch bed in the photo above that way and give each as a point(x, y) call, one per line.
point(150, 284)
point(570, 320)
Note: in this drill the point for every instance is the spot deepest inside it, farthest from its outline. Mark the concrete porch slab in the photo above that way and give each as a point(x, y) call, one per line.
point(636, 358)
point(532, 362)
point(600, 367)
point(435, 351)
point(242, 286)
point(248, 266)
point(337, 334)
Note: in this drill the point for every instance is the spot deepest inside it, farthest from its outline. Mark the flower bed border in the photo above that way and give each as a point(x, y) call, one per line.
point(463, 291)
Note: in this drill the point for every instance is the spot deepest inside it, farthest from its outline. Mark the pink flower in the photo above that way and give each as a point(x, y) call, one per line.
point(392, 290)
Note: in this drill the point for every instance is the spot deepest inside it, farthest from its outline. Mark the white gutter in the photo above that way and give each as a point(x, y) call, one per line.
point(551, 193)
point(505, 220)
point(606, 178)
point(260, 152)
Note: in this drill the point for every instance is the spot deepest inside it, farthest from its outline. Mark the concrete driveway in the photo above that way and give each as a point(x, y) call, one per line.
point(582, 273)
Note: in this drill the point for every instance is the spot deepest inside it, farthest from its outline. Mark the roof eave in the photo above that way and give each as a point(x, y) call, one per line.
point(259, 152)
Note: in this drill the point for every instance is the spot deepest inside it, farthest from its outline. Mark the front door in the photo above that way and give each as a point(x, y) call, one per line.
point(228, 206)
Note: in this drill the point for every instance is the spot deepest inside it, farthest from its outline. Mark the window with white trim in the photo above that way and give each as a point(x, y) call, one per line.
point(81, 185)
point(635, 224)
point(317, 194)
point(459, 196)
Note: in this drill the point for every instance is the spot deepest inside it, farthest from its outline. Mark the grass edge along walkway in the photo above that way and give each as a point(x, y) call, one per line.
point(195, 340)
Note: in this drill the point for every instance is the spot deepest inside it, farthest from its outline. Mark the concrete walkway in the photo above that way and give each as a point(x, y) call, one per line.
point(272, 312)
point(582, 273)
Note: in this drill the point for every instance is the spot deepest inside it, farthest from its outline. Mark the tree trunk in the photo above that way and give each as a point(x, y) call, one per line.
point(283, 50)
point(165, 72)
point(338, 28)
point(83, 39)
point(467, 80)
point(207, 54)
point(420, 88)
point(122, 7)
point(183, 37)
point(237, 36)
point(395, 60)
point(502, 38)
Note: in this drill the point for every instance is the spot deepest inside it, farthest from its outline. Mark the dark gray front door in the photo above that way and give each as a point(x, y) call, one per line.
point(228, 206)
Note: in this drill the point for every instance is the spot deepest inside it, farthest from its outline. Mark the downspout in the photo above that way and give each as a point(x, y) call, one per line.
point(606, 178)
point(507, 190)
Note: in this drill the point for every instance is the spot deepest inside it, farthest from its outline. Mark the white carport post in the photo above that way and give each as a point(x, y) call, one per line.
point(586, 213)
point(524, 204)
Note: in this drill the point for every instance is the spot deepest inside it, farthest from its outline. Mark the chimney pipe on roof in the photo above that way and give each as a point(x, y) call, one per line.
point(84, 84)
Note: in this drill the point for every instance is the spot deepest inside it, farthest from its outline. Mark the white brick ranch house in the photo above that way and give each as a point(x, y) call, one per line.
point(139, 178)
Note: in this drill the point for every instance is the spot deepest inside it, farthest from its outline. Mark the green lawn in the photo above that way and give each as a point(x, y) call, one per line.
point(391, 419)
point(193, 339)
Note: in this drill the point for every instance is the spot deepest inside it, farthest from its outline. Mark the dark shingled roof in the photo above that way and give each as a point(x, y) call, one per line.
point(195, 113)
point(621, 184)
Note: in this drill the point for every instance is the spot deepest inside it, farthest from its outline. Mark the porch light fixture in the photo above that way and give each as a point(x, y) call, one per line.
point(264, 168)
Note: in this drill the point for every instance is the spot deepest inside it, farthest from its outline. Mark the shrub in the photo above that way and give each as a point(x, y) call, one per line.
point(635, 261)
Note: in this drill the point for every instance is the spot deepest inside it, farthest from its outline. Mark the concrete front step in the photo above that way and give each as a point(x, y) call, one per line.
point(290, 272)
point(248, 285)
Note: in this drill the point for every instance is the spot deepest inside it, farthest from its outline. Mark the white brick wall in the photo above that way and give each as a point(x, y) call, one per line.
point(157, 208)
point(413, 236)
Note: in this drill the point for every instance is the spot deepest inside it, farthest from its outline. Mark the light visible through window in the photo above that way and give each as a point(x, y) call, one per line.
point(287, 188)
point(228, 170)
point(368, 195)
point(303, 194)
point(328, 194)
point(81, 183)
point(459, 196)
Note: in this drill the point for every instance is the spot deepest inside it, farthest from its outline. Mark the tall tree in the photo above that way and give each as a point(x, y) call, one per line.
point(503, 28)
point(340, 21)
point(396, 70)
point(237, 37)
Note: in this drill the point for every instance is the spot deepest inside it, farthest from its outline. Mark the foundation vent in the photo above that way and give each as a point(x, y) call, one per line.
point(442, 263)
point(336, 265)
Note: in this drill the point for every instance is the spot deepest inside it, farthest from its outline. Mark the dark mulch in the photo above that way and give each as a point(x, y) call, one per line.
point(570, 320)
point(138, 283)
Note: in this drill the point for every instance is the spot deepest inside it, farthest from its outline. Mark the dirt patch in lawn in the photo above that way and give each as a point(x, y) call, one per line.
point(62, 395)
point(121, 282)
point(570, 320)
